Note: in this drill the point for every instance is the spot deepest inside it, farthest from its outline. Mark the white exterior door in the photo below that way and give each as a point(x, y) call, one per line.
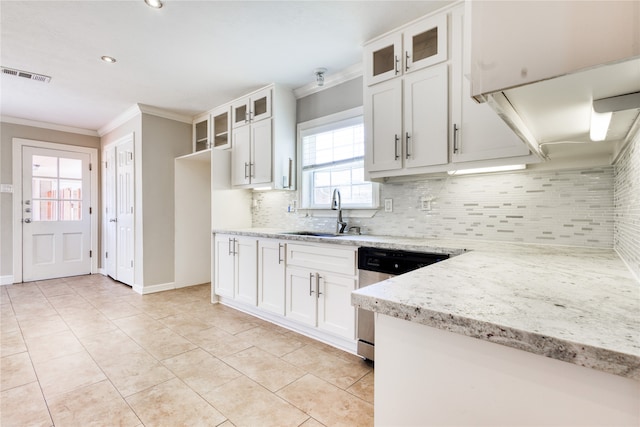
point(56, 228)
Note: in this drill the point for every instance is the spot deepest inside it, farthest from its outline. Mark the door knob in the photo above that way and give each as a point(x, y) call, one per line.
point(27, 220)
point(113, 220)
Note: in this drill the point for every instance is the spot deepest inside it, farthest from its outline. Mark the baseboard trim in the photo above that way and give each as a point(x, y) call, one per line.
point(6, 280)
point(143, 290)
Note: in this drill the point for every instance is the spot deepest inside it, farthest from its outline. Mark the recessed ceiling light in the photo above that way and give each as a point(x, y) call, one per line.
point(156, 4)
point(109, 59)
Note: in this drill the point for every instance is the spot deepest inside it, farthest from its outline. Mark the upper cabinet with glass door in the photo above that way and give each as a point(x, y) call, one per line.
point(419, 45)
point(251, 109)
point(221, 127)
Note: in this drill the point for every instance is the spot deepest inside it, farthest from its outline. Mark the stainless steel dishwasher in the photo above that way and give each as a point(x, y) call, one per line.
point(376, 265)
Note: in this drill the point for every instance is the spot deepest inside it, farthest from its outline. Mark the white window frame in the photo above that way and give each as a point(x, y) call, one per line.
point(328, 121)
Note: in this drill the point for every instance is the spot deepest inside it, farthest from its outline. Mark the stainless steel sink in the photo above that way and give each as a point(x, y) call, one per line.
point(311, 233)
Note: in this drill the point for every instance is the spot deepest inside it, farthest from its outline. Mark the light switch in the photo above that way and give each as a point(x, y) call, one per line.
point(6, 188)
point(388, 205)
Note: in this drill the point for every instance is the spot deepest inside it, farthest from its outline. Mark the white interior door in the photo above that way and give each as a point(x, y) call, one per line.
point(56, 227)
point(110, 212)
point(125, 209)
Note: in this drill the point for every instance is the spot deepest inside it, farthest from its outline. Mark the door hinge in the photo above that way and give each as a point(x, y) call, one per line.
point(131, 263)
point(90, 210)
point(130, 155)
point(106, 165)
point(106, 255)
point(90, 166)
point(90, 254)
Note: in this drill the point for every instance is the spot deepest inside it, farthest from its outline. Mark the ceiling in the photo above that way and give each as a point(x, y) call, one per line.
point(187, 57)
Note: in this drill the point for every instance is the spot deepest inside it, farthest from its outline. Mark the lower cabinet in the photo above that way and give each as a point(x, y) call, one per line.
point(306, 287)
point(235, 265)
point(271, 275)
point(321, 297)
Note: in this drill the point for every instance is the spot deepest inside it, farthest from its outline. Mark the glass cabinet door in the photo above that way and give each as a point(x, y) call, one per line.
point(261, 105)
point(383, 59)
point(425, 43)
point(240, 113)
point(201, 135)
point(220, 126)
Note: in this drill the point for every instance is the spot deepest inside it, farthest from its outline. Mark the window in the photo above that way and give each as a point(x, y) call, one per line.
point(332, 156)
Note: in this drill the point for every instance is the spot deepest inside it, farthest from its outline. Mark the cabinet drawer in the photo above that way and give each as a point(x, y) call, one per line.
point(323, 258)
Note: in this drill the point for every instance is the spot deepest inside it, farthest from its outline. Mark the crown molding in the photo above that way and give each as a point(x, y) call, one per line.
point(46, 125)
point(331, 80)
point(138, 109)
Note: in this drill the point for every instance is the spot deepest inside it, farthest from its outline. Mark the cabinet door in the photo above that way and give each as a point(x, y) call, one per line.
point(240, 112)
point(247, 270)
point(220, 127)
point(224, 266)
point(271, 276)
point(260, 106)
point(241, 156)
point(382, 59)
point(426, 117)
point(201, 133)
point(261, 152)
point(301, 295)
point(477, 133)
point(425, 43)
point(335, 312)
point(383, 126)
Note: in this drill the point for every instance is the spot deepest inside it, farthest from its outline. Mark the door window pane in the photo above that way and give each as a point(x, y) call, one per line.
point(70, 189)
point(70, 168)
point(71, 210)
point(44, 166)
point(45, 210)
point(44, 188)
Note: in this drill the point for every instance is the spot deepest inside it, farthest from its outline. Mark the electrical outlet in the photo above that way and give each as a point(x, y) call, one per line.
point(425, 203)
point(388, 205)
point(6, 188)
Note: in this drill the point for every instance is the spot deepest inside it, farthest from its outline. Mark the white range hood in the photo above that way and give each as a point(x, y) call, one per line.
point(543, 66)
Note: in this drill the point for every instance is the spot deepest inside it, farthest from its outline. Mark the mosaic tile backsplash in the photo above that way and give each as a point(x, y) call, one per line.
point(626, 201)
point(555, 207)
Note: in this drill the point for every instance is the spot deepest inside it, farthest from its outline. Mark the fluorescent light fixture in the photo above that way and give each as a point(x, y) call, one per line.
point(109, 59)
point(488, 170)
point(261, 188)
point(599, 125)
point(156, 4)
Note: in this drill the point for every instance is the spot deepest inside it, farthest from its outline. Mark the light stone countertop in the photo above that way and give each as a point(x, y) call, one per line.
point(579, 305)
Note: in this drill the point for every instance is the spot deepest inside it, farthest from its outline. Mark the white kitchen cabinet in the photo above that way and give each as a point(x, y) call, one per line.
point(477, 132)
point(406, 123)
point(319, 282)
point(264, 148)
point(236, 268)
point(201, 133)
point(221, 127)
point(252, 108)
point(422, 44)
point(271, 275)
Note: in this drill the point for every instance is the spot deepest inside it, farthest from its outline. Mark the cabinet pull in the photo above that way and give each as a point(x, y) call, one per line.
point(246, 175)
point(455, 138)
point(408, 137)
point(251, 170)
point(406, 61)
point(310, 283)
point(229, 247)
point(246, 117)
point(397, 62)
point(396, 147)
point(318, 293)
point(280, 259)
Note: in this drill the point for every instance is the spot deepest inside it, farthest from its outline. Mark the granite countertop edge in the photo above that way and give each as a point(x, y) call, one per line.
point(589, 355)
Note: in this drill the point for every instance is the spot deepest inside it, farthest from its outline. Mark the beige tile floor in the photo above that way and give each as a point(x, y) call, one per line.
point(89, 351)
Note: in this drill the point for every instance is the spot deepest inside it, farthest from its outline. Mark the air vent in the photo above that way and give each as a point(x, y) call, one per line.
point(26, 75)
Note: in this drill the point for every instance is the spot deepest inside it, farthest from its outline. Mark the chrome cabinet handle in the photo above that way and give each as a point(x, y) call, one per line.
point(406, 61)
point(397, 140)
point(318, 293)
point(397, 61)
point(252, 173)
point(280, 258)
point(310, 284)
point(246, 165)
point(407, 144)
point(229, 247)
point(455, 138)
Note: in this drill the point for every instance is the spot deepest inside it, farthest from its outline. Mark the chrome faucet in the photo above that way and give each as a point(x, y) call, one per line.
point(336, 204)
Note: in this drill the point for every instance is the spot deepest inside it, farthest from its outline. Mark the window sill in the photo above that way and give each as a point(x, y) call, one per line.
point(347, 213)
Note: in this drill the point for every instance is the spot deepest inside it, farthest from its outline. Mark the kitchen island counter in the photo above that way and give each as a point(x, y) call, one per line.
point(579, 305)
